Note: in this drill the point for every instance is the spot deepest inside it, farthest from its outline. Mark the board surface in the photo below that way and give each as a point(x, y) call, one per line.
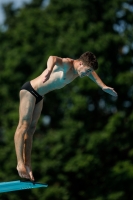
point(20, 185)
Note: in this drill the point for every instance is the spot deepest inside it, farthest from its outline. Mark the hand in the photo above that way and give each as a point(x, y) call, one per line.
point(110, 91)
point(46, 75)
point(25, 172)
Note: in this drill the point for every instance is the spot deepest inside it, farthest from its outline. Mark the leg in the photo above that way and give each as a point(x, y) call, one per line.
point(28, 137)
point(27, 104)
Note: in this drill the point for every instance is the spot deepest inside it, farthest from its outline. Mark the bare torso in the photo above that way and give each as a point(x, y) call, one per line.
point(60, 76)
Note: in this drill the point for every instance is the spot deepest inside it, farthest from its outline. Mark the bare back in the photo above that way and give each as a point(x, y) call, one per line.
point(61, 75)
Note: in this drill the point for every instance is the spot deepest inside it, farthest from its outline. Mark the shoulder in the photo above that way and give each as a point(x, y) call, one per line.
point(67, 60)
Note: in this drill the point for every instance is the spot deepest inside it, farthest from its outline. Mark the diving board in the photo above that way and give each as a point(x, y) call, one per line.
point(20, 185)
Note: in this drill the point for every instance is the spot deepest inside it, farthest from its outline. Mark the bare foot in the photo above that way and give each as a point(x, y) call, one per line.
point(22, 171)
point(30, 172)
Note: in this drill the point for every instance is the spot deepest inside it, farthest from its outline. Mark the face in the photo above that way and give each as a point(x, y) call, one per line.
point(84, 70)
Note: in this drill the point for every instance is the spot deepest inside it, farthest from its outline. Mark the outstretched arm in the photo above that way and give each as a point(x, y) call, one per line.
point(51, 62)
point(94, 77)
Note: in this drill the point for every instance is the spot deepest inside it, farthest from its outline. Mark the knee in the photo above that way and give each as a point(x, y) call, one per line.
point(24, 125)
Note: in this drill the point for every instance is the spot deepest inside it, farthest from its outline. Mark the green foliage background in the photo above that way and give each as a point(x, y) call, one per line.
point(87, 150)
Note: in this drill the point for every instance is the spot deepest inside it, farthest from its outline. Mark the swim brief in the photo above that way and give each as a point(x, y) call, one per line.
point(27, 86)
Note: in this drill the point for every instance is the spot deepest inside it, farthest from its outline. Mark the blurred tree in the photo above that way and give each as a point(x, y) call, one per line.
point(86, 152)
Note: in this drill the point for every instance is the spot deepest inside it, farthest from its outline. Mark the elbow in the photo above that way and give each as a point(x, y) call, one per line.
point(53, 59)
